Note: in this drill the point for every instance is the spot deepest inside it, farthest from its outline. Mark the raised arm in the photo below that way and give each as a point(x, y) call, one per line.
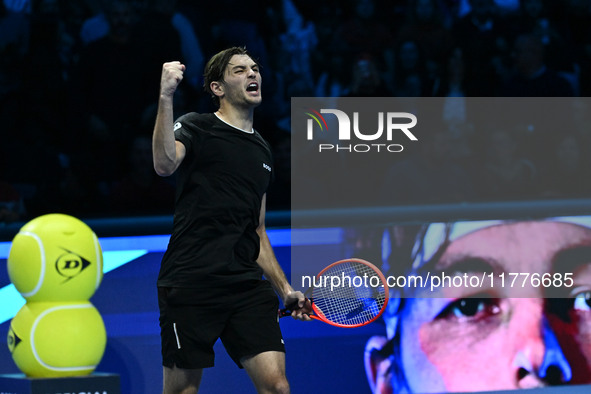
point(274, 273)
point(167, 153)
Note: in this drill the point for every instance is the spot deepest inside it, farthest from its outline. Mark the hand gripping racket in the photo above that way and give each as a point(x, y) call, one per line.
point(347, 293)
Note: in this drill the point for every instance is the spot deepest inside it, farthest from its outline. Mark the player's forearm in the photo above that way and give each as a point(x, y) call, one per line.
point(163, 141)
point(271, 268)
point(165, 155)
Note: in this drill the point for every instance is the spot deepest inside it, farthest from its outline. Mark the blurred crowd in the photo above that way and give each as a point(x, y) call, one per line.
point(79, 84)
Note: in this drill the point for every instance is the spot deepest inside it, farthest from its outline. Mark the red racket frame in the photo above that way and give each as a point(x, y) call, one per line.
point(320, 316)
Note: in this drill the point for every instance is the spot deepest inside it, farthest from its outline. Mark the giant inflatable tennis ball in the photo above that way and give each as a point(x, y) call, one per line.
point(49, 339)
point(55, 257)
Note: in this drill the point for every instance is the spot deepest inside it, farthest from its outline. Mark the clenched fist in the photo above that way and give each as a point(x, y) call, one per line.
point(172, 75)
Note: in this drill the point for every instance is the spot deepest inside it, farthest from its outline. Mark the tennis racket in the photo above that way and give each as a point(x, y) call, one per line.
point(348, 293)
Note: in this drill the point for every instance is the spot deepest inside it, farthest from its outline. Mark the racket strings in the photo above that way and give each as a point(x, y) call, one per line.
point(352, 294)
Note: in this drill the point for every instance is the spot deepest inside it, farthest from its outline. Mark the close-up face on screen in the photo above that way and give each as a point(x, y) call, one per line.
point(519, 318)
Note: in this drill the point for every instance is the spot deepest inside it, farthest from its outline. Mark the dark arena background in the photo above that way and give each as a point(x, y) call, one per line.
point(79, 85)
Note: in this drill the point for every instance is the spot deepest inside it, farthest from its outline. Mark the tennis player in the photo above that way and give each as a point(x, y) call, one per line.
point(210, 283)
point(519, 332)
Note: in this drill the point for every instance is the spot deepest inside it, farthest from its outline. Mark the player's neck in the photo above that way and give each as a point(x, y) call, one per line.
point(239, 118)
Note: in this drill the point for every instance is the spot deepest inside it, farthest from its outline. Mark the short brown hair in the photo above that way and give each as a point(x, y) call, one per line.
point(216, 66)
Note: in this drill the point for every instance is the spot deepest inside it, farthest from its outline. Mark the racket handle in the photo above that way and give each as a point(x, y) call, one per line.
point(292, 305)
point(289, 308)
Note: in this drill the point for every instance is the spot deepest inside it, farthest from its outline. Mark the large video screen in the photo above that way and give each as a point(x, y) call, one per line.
point(474, 305)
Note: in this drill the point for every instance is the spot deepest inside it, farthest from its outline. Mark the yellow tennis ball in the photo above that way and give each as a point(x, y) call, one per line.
point(55, 257)
point(49, 339)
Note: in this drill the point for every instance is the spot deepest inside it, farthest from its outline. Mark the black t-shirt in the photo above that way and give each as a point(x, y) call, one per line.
point(220, 184)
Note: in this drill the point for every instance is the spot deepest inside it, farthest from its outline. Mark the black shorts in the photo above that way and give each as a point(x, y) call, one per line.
point(190, 324)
